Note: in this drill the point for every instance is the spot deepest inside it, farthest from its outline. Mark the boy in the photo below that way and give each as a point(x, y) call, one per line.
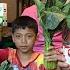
point(24, 35)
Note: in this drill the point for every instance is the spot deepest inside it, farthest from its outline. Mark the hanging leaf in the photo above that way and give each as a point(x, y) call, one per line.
point(53, 20)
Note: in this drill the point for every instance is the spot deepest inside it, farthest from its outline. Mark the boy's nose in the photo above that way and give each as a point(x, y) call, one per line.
point(23, 40)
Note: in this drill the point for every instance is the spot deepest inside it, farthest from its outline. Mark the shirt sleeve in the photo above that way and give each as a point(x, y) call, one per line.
point(3, 54)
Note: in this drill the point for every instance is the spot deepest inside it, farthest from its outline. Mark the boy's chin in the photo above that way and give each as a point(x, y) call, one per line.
point(24, 50)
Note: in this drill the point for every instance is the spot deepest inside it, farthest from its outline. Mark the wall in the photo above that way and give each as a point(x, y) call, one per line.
point(11, 9)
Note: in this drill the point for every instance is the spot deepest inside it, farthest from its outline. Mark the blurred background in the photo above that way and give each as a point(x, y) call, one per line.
point(14, 9)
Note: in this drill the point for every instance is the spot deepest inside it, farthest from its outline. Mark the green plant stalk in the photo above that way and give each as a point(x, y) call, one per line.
point(48, 64)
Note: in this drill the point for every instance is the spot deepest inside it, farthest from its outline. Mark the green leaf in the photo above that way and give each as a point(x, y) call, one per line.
point(54, 9)
point(53, 20)
point(66, 9)
point(68, 21)
point(59, 4)
point(5, 65)
point(40, 5)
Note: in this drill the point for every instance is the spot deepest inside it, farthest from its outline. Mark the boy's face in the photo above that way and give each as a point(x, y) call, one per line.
point(24, 39)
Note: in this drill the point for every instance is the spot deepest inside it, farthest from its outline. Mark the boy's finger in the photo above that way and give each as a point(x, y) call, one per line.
point(49, 53)
point(55, 57)
point(61, 58)
point(63, 64)
point(51, 58)
point(61, 50)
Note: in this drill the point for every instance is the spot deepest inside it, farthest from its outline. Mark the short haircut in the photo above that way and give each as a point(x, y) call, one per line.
point(23, 22)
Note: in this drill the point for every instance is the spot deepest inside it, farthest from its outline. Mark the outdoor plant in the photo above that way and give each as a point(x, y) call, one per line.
point(50, 16)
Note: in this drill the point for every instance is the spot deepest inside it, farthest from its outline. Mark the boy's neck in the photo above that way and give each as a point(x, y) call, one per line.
point(24, 55)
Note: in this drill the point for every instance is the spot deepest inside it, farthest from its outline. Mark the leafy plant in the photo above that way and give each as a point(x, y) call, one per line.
point(5, 65)
point(50, 16)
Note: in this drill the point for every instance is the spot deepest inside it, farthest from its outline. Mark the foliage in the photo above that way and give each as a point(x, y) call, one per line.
point(51, 15)
point(5, 65)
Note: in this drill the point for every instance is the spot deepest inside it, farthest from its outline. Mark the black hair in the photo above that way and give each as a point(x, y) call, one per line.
point(23, 22)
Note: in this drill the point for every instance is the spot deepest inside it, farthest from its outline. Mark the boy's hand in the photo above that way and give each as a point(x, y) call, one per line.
point(53, 55)
point(50, 55)
point(61, 61)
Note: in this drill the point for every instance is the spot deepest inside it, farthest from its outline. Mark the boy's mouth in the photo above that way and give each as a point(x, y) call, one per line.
point(23, 46)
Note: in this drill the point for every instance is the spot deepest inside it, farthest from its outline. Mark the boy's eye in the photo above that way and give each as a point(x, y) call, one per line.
point(18, 36)
point(29, 36)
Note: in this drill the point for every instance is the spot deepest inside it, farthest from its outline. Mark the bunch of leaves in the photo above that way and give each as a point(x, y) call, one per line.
point(55, 11)
point(51, 15)
point(6, 65)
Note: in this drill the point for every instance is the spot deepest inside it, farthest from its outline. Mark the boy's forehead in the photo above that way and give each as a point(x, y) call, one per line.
point(26, 30)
